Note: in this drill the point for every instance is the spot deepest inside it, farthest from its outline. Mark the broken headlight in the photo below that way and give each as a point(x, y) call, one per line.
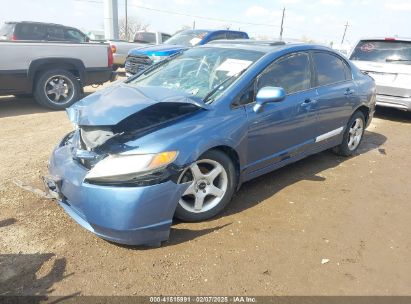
point(128, 167)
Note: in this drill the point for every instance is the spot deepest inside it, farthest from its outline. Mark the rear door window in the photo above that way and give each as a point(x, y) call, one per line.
point(55, 33)
point(292, 73)
point(391, 51)
point(330, 69)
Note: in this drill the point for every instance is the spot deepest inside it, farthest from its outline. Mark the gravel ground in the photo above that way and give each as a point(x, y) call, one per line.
point(325, 225)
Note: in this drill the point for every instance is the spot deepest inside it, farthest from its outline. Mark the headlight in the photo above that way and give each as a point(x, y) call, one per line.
point(125, 167)
point(156, 59)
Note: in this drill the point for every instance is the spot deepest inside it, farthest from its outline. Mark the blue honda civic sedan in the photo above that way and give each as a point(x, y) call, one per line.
point(178, 139)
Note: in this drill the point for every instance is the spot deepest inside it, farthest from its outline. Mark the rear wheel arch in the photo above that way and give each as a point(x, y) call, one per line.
point(72, 65)
point(364, 110)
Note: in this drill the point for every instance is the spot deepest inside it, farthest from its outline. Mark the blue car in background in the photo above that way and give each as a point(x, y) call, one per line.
point(180, 138)
point(141, 58)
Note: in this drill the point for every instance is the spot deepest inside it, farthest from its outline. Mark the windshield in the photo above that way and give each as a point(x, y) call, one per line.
point(187, 38)
point(198, 71)
point(383, 51)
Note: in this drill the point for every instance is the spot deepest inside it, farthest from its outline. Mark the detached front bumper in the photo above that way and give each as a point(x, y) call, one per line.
point(126, 215)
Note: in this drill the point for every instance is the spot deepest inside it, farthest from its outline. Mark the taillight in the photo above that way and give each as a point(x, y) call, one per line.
point(109, 57)
point(113, 49)
point(389, 39)
point(13, 37)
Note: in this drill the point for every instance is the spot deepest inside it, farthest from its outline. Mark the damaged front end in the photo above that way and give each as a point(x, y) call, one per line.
point(106, 182)
point(95, 145)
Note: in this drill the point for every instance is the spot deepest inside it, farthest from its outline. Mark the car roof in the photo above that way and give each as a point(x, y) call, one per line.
point(212, 31)
point(249, 41)
point(267, 46)
point(40, 23)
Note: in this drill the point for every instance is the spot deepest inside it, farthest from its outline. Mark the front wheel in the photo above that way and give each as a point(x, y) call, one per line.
point(212, 181)
point(353, 135)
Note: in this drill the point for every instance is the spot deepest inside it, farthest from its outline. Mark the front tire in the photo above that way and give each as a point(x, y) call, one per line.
point(353, 135)
point(57, 89)
point(212, 181)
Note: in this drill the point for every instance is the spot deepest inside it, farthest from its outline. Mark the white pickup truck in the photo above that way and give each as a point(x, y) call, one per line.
point(54, 72)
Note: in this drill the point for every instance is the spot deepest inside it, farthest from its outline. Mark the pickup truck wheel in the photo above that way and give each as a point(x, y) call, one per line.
point(57, 89)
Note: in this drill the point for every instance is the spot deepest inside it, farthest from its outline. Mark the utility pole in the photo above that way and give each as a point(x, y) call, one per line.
point(345, 31)
point(126, 21)
point(194, 25)
point(111, 19)
point(282, 24)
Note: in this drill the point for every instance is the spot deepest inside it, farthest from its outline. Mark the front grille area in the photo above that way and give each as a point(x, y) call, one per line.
point(137, 63)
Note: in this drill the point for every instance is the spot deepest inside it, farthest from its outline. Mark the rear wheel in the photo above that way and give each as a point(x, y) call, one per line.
point(57, 89)
point(212, 181)
point(352, 136)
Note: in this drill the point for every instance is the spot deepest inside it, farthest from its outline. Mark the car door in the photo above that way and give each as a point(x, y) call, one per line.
point(287, 128)
point(337, 93)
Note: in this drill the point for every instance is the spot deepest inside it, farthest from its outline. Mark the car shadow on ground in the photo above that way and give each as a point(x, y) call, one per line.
point(263, 187)
point(7, 222)
point(31, 275)
point(16, 106)
point(393, 114)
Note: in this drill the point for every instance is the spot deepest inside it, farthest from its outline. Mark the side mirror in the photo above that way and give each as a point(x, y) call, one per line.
point(268, 94)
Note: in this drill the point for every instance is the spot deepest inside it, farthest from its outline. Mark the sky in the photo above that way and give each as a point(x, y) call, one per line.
point(319, 20)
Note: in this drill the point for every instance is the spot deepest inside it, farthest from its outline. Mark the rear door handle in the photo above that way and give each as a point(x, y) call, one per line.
point(349, 92)
point(308, 102)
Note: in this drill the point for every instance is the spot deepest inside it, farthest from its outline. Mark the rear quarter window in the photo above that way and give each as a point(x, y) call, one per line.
point(392, 51)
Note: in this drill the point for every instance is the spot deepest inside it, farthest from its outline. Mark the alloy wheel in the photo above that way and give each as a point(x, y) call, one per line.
point(209, 182)
point(59, 89)
point(355, 134)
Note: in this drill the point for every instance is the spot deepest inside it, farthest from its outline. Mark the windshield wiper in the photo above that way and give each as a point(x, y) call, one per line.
point(216, 88)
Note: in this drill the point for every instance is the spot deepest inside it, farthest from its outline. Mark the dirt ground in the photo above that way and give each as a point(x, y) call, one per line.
point(353, 214)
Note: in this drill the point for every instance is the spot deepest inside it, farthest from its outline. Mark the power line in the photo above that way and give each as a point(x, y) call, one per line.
point(188, 15)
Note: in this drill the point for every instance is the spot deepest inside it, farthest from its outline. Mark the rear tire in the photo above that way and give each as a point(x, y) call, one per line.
point(57, 89)
point(213, 182)
point(353, 135)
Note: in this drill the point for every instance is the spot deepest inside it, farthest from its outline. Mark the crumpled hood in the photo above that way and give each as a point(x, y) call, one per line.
point(158, 50)
point(110, 106)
